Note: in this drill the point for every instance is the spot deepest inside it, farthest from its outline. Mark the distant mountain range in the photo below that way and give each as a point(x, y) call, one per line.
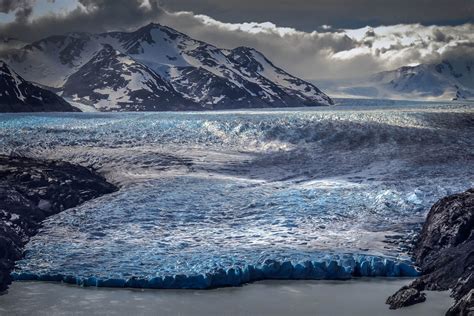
point(19, 95)
point(447, 80)
point(158, 68)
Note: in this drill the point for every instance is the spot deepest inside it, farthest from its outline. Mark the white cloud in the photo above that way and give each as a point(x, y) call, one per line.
point(327, 53)
point(341, 53)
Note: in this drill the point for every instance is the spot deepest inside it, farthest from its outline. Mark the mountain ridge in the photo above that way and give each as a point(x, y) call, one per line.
point(192, 74)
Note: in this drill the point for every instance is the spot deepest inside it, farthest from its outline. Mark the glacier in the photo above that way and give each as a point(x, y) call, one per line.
point(210, 199)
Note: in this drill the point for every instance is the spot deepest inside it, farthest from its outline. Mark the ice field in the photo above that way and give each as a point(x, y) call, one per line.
point(212, 199)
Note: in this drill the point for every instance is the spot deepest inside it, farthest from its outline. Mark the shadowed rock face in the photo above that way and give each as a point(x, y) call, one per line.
point(445, 254)
point(464, 306)
point(449, 224)
point(19, 95)
point(30, 191)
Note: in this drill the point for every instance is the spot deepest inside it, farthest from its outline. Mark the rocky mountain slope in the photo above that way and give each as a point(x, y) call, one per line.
point(19, 95)
point(159, 68)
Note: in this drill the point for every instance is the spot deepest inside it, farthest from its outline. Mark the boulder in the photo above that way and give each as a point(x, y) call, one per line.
point(406, 296)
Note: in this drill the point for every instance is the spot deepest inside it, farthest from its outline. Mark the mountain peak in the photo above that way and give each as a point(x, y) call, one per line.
point(146, 31)
point(158, 26)
point(153, 25)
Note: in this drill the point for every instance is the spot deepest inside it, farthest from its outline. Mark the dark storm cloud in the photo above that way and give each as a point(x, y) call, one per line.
point(461, 52)
point(90, 16)
point(7, 6)
point(309, 14)
point(329, 54)
point(22, 8)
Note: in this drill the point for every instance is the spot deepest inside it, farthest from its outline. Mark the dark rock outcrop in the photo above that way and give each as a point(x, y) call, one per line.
point(450, 223)
point(464, 306)
point(445, 253)
point(30, 191)
point(406, 296)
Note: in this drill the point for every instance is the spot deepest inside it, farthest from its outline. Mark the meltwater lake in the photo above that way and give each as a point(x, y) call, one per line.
point(211, 199)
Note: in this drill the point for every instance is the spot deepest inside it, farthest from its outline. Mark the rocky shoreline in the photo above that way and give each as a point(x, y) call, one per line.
point(30, 191)
point(444, 252)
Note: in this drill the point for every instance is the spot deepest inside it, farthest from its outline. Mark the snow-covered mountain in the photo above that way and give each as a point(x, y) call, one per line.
point(159, 68)
point(19, 95)
point(114, 81)
point(447, 80)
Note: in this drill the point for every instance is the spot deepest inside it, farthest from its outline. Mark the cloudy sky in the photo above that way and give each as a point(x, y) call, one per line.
point(319, 39)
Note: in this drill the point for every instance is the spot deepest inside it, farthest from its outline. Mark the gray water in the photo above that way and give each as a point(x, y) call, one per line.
point(322, 298)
